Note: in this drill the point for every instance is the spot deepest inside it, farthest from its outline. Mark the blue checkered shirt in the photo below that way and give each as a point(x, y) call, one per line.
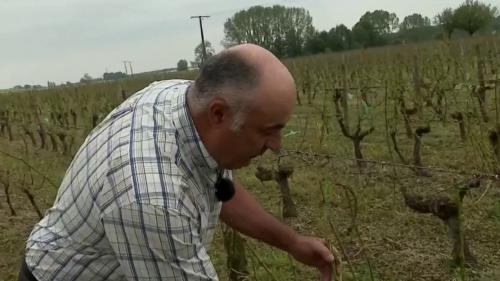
point(137, 201)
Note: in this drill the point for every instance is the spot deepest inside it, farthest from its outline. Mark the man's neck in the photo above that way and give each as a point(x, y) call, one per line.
point(199, 119)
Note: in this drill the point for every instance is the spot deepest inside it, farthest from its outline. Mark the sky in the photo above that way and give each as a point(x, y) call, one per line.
point(60, 40)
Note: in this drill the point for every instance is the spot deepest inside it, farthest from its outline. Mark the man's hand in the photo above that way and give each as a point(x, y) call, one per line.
point(245, 215)
point(314, 252)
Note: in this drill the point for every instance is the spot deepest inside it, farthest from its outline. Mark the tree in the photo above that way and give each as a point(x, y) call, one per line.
point(414, 21)
point(282, 30)
point(345, 35)
point(334, 41)
point(365, 34)
point(382, 21)
point(473, 15)
point(317, 43)
point(114, 75)
point(339, 38)
point(193, 64)
point(374, 28)
point(445, 20)
point(182, 65)
point(415, 28)
point(495, 25)
point(86, 79)
point(198, 52)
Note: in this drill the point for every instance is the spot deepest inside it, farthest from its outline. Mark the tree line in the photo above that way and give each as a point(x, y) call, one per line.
point(289, 32)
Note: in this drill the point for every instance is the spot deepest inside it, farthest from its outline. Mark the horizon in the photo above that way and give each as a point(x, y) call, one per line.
point(62, 40)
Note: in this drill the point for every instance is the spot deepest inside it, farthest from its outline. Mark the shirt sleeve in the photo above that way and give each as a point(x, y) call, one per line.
point(156, 243)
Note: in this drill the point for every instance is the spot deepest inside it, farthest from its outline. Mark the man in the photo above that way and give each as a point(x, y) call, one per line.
point(138, 201)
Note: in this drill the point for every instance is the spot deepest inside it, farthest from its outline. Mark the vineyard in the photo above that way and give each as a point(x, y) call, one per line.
point(392, 155)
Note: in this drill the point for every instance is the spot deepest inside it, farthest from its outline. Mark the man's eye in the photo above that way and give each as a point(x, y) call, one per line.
point(271, 132)
point(266, 132)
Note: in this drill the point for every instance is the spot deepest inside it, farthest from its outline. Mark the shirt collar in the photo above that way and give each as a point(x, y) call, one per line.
point(188, 139)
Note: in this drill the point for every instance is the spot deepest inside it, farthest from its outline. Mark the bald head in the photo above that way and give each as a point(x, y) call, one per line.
point(261, 59)
point(269, 69)
point(274, 78)
point(243, 75)
point(226, 70)
point(242, 67)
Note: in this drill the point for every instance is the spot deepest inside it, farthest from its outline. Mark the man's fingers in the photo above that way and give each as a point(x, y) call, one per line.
point(322, 241)
point(327, 255)
point(325, 251)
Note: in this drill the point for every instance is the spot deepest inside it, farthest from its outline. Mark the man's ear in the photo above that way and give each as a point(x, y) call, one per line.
point(218, 112)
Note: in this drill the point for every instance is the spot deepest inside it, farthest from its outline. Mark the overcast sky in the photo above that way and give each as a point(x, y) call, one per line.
point(60, 40)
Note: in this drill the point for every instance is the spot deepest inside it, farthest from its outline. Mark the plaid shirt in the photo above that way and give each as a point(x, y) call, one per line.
point(137, 201)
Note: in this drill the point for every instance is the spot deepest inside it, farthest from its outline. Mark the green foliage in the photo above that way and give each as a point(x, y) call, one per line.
point(86, 79)
point(27, 87)
point(445, 20)
point(198, 52)
point(365, 34)
point(318, 43)
point(374, 28)
point(495, 25)
point(182, 65)
point(473, 15)
point(418, 34)
point(382, 21)
point(282, 30)
point(414, 21)
point(114, 75)
point(288, 32)
point(338, 38)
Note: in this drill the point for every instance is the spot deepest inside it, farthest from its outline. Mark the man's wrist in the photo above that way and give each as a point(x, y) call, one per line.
point(292, 241)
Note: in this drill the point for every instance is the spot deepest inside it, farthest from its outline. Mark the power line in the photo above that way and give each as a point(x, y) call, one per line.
point(204, 58)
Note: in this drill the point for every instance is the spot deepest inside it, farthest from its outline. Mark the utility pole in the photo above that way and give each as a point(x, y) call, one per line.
point(125, 64)
point(130, 67)
point(202, 37)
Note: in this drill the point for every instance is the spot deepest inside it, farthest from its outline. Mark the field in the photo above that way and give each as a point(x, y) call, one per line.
point(392, 155)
